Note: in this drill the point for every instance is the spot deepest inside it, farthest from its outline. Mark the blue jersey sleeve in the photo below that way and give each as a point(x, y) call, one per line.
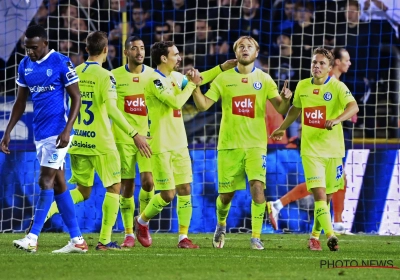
point(184, 81)
point(21, 75)
point(68, 73)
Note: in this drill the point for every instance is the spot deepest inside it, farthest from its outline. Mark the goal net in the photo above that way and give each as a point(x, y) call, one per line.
point(204, 32)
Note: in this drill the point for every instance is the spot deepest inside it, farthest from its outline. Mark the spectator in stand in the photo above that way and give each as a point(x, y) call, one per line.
point(202, 47)
point(40, 18)
point(162, 32)
point(284, 19)
point(306, 36)
point(362, 45)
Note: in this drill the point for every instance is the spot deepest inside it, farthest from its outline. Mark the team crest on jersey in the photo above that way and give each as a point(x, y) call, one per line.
point(49, 72)
point(158, 84)
point(327, 96)
point(135, 79)
point(257, 85)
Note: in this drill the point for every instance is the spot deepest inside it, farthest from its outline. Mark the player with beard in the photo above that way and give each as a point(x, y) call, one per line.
point(242, 146)
point(166, 92)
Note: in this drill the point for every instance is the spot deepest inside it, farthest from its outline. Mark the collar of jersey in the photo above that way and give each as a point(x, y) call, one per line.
point(127, 68)
point(158, 71)
point(45, 57)
point(91, 62)
point(327, 80)
point(252, 70)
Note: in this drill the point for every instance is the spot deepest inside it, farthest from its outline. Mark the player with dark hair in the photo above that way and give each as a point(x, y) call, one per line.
point(324, 103)
point(45, 75)
point(242, 146)
point(131, 79)
point(166, 93)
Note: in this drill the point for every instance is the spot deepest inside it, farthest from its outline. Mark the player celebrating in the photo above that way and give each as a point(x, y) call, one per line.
point(131, 79)
point(46, 75)
point(166, 93)
point(93, 148)
point(244, 91)
point(325, 103)
point(340, 66)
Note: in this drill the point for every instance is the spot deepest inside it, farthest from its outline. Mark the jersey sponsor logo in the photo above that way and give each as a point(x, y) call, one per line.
point(245, 80)
point(135, 105)
point(243, 105)
point(85, 133)
point(339, 172)
point(177, 113)
point(257, 85)
point(81, 144)
point(163, 181)
point(315, 179)
point(231, 85)
point(71, 75)
point(70, 65)
point(49, 72)
point(315, 116)
point(28, 71)
point(37, 89)
point(158, 84)
point(113, 80)
point(348, 92)
point(316, 91)
point(135, 79)
point(327, 96)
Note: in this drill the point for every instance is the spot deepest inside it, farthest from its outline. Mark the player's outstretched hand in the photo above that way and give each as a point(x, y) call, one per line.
point(286, 93)
point(229, 64)
point(142, 145)
point(62, 139)
point(277, 134)
point(329, 124)
point(4, 144)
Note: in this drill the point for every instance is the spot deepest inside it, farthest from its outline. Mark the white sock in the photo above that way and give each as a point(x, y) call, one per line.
point(32, 236)
point(130, 234)
point(77, 240)
point(142, 222)
point(182, 236)
point(278, 204)
point(313, 237)
point(223, 228)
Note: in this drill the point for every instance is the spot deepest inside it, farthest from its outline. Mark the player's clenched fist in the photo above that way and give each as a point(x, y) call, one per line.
point(193, 75)
point(329, 124)
point(286, 93)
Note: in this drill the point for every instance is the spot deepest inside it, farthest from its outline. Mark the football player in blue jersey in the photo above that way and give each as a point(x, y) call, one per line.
point(48, 77)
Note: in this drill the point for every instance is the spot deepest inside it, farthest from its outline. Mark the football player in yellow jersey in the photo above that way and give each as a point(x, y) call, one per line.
point(242, 144)
point(166, 93)
point(325, 103)
point(131, 79)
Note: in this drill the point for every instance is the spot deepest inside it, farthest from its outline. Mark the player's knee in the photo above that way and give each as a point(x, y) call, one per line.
point(168, 196)
point(226, 198)
point(147, 184)
point(46, 183)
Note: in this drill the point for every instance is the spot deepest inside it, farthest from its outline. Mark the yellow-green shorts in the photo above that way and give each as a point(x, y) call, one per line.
point(107, 166)
point(130, 155)
point(171, 169)
point(235, 164)
point(323, 172)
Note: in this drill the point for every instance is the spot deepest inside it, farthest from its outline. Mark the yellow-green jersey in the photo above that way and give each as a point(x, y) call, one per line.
point(244, 98)
point(131, 101)
point(165, 97)
point(320, 103)
point(93, 134)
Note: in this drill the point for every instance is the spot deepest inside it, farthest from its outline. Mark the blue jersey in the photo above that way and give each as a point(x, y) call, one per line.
point(47, 79)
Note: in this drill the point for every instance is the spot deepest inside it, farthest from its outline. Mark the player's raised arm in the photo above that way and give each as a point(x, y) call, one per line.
point(209, 75)
point(281, 103)
point(16, 113)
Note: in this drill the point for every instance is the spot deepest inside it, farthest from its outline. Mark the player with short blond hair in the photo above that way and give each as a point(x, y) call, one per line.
point(242, 146)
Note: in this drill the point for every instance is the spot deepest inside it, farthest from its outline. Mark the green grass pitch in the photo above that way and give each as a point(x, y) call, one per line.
point(286, 257)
